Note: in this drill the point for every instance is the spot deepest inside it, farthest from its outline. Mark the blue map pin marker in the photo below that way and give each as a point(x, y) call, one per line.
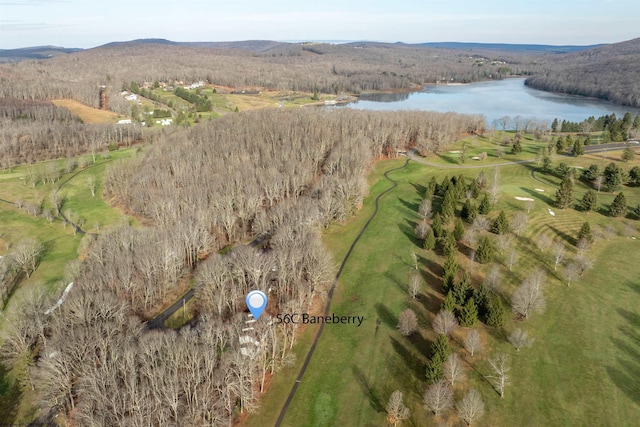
point(256, 302)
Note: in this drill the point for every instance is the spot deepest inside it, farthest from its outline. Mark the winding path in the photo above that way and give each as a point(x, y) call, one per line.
point(303, 369)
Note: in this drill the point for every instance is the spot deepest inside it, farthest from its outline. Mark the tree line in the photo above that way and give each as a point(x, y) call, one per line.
point(31, 131)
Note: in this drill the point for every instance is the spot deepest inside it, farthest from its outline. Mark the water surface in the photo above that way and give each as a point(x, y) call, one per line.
point(494, 99)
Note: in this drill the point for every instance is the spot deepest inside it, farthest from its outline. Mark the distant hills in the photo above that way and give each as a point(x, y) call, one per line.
point(44, 52)
point(509, 47)
point(35, 52)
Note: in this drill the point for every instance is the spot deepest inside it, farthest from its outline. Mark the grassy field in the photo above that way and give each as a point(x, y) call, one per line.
point(86, 113)
point(61, 245)
point(582, 369)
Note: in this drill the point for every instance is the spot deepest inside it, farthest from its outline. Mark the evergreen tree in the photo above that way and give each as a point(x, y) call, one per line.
point(636, 211)
point(496, 314)
point(500, 225)
point(464, 212)
point(448, 243)
point(628, 154)
point(564, 194)
point(448, 208)
point(546, 164)
point(516, 148)
point(439, 353)
point(482, 296)
point(449, 302)
point(430, 190)
point(469, 314)
point(449, 272)
point(474, 189)
point(485, 251)
point(589, 201)
point(461, 185)
point(462, 291)
point(434, 371)
point(619, 205)
point(614, 177)
point(585, 233)
point(441, 190)
point(436, 225)
point(485, 205)
point(578, 147)
point(591, 173)
point(458, 230)
point(560, 144)
point(554, 125)
point(472, 214)
point(634, 174)
point(429, 240)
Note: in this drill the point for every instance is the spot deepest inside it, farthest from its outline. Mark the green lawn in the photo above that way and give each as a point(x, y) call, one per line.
point(582, 369)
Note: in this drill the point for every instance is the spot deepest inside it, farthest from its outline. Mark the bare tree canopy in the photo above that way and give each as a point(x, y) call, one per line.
point(471, 407)
point(445, 322)
point(438, 397)
point(396, 409)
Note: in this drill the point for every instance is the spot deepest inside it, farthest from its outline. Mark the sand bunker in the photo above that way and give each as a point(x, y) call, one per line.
point(552, 213)
point(577, 167)
point(455, 152)
point(540, 190)
point(475, 158)
point(527, 199)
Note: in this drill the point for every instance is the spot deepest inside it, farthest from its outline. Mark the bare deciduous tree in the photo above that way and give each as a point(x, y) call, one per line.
point(407, 322)
point(471, 407)
point(559, 252)
point(512, 257)
point(26, 255)
point(438, 397)
point(397, 412)
point(415, 285)
point(528, 297)
point(453, 369)
point(529, 204)
point(472, 342)
point(493, 279)
point(519, 339)
point(499, 363)
point(519, 222)
point(571, 272)
point(599, 182)
point(425, 208)
point(445, 322)
point(421, 230)
point(584, 262)
point(543, 242)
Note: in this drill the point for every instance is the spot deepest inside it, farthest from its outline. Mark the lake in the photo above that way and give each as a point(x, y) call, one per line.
point(493, 99)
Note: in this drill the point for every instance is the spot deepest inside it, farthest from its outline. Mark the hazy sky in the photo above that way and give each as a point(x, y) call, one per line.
point(88, 23)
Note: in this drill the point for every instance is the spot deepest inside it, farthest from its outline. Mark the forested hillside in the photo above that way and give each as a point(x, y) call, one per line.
point(608, 72)
point(300, 67)
point(275, 174)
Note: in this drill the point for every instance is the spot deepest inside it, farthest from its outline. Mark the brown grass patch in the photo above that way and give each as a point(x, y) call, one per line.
point(86, 113)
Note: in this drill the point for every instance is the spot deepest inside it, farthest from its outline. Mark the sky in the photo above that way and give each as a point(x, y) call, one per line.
point(90, 23)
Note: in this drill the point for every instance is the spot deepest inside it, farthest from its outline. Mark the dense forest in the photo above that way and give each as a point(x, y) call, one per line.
point(608, 72)
point(276, 175)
